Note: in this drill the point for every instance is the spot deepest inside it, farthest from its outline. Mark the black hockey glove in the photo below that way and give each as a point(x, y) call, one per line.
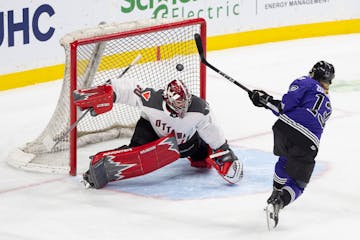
point(260, 99)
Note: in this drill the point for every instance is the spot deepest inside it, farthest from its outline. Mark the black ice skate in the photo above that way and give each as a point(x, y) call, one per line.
point(86, 180)
point(275, 203)
point(96, 176)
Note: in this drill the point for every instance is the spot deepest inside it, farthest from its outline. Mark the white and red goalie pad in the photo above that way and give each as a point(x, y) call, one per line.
point(137, 161)
point(99, 98)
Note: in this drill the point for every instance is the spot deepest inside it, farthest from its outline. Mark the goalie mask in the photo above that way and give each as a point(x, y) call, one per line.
point(177, 98)
point(323, 72)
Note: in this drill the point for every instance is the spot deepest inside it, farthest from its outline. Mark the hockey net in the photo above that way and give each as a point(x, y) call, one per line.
point(96, 55)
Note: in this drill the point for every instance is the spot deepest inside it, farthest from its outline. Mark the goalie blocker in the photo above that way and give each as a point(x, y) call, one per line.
point(98, 99)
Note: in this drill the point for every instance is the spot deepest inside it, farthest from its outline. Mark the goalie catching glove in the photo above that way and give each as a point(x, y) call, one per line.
point(99, 99)
point(226, 163)
point(261, 99)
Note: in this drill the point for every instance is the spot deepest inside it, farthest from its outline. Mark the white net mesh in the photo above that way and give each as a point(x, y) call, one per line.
point(108, 50)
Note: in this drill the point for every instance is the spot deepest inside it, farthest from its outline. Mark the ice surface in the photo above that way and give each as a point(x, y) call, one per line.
point(180, 202)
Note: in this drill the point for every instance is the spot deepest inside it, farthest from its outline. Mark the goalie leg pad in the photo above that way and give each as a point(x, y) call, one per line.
point(199, 163)
point(131, 162)
point(198, 159)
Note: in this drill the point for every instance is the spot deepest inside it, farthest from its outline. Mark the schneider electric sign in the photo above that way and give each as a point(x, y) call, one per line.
point(183, 8)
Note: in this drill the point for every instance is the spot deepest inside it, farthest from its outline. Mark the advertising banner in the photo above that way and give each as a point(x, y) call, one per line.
point(30, 30)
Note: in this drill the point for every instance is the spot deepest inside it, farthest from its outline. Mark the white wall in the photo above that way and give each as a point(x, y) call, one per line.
point(45, 22)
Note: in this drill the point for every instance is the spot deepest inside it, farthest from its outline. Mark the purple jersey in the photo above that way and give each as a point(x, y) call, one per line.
point(306, 108)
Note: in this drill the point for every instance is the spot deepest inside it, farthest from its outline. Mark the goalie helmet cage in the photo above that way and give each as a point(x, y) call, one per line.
point(95, 55)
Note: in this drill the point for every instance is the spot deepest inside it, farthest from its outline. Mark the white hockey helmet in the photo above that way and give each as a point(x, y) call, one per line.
point(177, 97)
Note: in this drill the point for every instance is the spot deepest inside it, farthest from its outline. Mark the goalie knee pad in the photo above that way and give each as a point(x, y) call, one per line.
point(199, 163)
point(198, 158)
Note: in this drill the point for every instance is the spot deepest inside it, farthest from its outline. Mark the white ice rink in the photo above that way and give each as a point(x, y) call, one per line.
point(180, 202)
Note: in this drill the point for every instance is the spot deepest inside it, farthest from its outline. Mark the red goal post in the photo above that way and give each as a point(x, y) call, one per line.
point(97, 54)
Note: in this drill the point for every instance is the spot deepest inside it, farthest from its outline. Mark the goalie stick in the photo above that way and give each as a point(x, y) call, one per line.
point(200, 48)
point(89, 109)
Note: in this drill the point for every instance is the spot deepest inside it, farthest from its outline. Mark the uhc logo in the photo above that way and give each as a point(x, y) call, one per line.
point(9, 25)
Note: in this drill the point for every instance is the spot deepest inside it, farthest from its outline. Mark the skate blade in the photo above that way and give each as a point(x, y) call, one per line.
point(85, 183)
point(270, 220)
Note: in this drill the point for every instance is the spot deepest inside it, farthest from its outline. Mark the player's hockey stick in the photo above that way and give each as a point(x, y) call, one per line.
point(204, 61)
point(89, 109)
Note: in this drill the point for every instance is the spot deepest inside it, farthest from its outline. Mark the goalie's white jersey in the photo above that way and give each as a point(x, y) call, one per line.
point(153, 108)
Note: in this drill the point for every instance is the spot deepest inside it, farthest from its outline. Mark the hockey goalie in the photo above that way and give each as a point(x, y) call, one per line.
point(173, 124)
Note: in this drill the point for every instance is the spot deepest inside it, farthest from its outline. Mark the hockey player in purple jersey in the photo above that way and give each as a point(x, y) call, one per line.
point(303, 112)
